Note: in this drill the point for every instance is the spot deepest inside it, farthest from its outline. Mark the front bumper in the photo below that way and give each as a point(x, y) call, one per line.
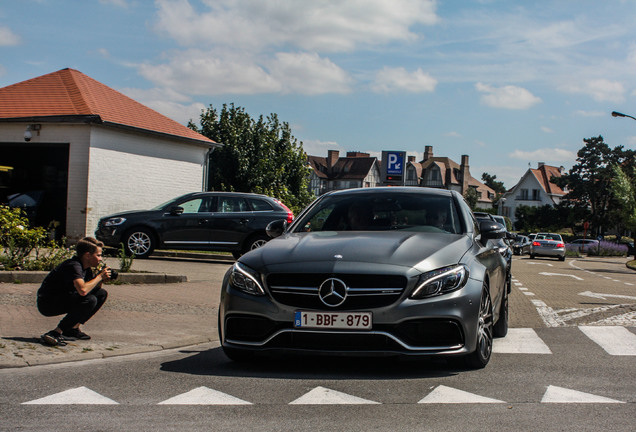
point(442, 325)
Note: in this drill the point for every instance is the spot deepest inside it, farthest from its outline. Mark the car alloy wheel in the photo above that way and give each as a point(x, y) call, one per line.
point(481, 356)
point(139, 243)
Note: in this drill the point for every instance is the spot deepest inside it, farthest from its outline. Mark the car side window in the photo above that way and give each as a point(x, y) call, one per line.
point(191, 206)
point(260, 205)
point(232, 204)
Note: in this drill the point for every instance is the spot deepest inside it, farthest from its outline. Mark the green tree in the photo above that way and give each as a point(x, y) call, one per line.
point(590, 179)
point(471, 198)
point(624, 191)
point(491, 182)
point(260, 156)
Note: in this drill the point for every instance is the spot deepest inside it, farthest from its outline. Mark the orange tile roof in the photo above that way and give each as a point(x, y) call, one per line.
point(544, 174)
point(68, 92)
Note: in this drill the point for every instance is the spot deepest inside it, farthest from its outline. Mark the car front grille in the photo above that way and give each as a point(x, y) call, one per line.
point(365, 291)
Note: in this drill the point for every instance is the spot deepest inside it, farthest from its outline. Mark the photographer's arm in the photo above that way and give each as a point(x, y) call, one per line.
point(84, 287)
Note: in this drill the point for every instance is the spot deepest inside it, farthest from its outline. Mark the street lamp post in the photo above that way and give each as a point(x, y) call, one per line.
point(617, 114)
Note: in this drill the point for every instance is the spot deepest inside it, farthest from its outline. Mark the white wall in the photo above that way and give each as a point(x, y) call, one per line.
point(130, 171)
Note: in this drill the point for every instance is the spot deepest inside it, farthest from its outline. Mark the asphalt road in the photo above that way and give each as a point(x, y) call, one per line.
point(551, 372)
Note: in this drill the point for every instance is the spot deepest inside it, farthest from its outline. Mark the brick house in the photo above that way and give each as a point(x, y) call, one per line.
point(86, 150)
point(534, 189)
point(334, 172)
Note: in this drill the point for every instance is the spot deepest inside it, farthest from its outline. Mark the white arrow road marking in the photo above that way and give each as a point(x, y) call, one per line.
point(560, 274)
point(547, 314)
point(540, 263)
point(520, 341)
point(449, 395)
point(204, 396)
point(325, 396)
point(604, 296)
point(615, 340)
point(556, 394)
point(76, 396)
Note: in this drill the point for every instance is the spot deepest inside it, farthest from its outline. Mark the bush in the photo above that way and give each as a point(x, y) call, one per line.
point(25, 248)
point(607, 248)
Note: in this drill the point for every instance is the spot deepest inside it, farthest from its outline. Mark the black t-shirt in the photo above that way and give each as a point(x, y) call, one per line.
point(60, 280)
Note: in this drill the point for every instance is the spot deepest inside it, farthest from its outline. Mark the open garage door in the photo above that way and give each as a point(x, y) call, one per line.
point(34, 176)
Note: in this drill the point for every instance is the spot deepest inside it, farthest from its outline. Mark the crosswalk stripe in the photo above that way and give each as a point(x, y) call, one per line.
point(614, 340)
point(556, 394)
point(325, 396)
point(449, 395)
point(520, 341)
point(76, 396)
point(204, 396)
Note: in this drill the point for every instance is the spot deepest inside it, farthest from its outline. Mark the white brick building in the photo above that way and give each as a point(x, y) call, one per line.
point(93, 151)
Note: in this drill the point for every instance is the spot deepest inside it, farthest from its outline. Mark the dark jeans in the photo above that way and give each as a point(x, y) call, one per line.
point(78, 309)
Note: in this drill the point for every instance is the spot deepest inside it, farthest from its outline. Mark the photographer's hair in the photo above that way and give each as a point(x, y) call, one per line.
point(87, 244)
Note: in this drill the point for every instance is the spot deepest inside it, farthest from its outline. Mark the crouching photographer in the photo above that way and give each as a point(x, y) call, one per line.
point(73, 290)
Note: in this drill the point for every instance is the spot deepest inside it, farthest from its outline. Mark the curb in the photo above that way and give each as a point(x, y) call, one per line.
point(131, 278)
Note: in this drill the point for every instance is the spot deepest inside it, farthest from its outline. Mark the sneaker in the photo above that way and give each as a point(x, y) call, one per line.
point(53, 338)
point(76, 334)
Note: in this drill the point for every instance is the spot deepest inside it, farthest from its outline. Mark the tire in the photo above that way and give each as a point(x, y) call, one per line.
point(562, 258)
point(531, 256)
point(140, 242)
point(255, 242)
point(500, 329)
point(479, 358)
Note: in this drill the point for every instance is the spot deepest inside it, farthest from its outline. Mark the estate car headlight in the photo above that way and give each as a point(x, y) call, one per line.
point(245, 279)
point(114, 221)
point(440, 281)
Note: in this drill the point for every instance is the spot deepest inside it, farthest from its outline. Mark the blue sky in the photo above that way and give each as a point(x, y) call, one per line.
point(509, 83)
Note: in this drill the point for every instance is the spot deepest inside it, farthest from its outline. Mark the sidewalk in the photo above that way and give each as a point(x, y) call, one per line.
point(174, 303)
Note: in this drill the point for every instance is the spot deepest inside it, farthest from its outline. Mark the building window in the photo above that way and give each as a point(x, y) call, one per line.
point(524, 194)
point(410, 174)
point(536, 196)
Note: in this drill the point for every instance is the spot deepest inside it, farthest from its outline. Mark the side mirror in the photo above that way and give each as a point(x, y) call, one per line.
point(176, 210)
point(492, 230)
point(276, 228)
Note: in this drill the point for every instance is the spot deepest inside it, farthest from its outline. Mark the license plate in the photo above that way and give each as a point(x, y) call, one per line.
point(333, 320)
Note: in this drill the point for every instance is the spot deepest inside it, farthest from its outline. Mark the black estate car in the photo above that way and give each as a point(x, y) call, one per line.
point(214, 221)
point(371, 271)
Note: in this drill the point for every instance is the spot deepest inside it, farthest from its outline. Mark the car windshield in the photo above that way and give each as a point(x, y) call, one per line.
point(382, 212)
point(555, 237)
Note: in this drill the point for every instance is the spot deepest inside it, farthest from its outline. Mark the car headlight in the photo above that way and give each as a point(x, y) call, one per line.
point(440, 281)
point(114, 221)
point(247, 280)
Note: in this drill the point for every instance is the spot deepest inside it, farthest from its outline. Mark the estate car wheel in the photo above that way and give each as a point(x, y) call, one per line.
point(139, 242)
point(481, 356)
point(255, 242)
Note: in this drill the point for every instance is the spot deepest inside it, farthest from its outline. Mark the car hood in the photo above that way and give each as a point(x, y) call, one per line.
point(131, 213)
point(338, 251)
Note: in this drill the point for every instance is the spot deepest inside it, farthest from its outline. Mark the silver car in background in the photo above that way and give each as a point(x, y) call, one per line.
point(372, 271)
point(548, 245)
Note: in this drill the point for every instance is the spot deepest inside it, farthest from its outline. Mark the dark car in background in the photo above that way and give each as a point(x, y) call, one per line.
point(212, 221)
point(521, 245)
point(371, 271)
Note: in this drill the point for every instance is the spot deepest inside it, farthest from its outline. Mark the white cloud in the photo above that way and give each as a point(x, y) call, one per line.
point(203, 73)
point(168, 102)
point(320, 148)
point(390, 80)
point(8, 38)
point(309, 74)
point(547, 155)
point(118, 3)
point(601, 90)
point(582, 113)
point(546, 129)
point(453, 134)
point(319, 25)
point(509, 97)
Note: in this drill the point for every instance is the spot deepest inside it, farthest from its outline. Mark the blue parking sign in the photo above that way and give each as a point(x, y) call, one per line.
point(395, 163)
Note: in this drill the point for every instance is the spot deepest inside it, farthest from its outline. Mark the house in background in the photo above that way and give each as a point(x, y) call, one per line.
point(361, 170)
point(334, 172)
point(79, 150)
point(443, 172)
point(535, 189)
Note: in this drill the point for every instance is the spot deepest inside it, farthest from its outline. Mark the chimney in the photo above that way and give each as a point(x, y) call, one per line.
point(465, 173)
point(541, 164)
point(428, 153)
point(412, 159)
point(332, 158)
